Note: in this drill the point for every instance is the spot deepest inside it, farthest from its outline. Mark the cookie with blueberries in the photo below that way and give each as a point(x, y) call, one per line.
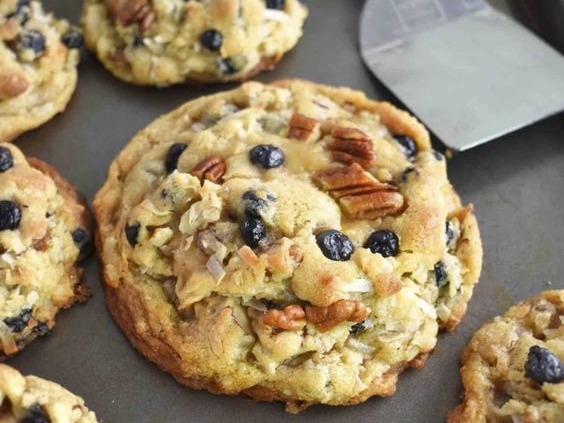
point(38, 59)
point(165, 42)
point(45, 232)
point(30, 399)
point(513, 368)
point(281, 241)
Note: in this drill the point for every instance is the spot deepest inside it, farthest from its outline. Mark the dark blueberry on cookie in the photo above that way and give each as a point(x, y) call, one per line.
point(82, 240)
point(254, 204)
point(32, 40)
point(132, 233)
point(21, 4)
point(41, 329)
point(266, 156)
point(253, 231)
point(335, 245)
point(10, 215)
point(18, 323)
point(211, 39)
point(408, 145)
point(6, 159)
point(543, 366)
point(275, 4)
point(357, 328)
point(72, 39)
point(227, 66)
point(174, 152)
point(385, 243)
point(449, 231)
point(441, 278)
point(138, 41)
point(36, 415)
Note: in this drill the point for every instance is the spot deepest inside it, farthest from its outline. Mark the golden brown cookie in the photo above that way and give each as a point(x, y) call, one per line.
point(164, 42)
point(45, 230)
point(513, 368)
point(29, 399)
point(38, 59)
point(293, 242)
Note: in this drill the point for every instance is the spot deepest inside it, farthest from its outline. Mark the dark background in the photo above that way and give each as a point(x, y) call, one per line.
point(516, 184)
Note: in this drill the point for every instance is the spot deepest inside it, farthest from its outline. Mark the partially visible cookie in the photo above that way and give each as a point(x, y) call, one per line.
point(38, 59)
point(45, 230)
point(29, 399)
point(164, 42)
point(513, 368)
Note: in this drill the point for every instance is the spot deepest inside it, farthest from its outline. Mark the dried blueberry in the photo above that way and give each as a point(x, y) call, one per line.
point(335, 245)
point(449, 231)
point(82, 241)
point(211, 39)
point(138, 41)
point(407, 172)
point(254, 204)
point(275, 4)
point(41, 329)
point(543, 366)
point(32, 40)
point(441, 277)
point(18, 323)
point(253, 231)
point(132, 233)
point(6, 159)
point(267, 156)
point(227, 66)
point(72, 39)
point(409, 146)
point(21, 4)
point(357, 328)
point(385, 243)
point(174, 152)
point(36, 415)
point(10, 215)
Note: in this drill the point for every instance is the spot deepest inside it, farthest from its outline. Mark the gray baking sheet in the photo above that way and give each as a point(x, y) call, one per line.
point(516, 184)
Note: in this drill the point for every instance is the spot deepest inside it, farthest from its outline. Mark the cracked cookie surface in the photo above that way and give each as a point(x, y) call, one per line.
point(32, 399)
point(44, 231)
point(282, 241)
point(38, 59)
point(513, 368)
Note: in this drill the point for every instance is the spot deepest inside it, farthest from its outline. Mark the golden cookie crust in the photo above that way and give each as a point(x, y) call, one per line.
point(282, 321)
point(158, 42)
point(39, 264)
point(29, 396)
point(34, 87)
point(493, 363)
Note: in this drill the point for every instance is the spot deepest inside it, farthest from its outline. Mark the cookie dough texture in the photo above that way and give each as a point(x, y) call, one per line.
point(282, 321)
point(159, 42)
point(37, 70)
point(496, 387)
point(32, 399)
point(39, 273)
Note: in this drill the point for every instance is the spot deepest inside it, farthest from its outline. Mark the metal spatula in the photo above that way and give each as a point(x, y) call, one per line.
point(468, 72)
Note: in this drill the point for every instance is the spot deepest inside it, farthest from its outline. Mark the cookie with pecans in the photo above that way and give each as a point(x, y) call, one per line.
point(513, 368)
point(293, 242)
point(45, 231)
point(165, 42)
point(29, 399)
point(38, 59)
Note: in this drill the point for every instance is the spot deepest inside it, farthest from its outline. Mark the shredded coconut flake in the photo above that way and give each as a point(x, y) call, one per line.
point(358, 285)
point(360, 346)
point(254, 303)
point(427, 308)
point(215, 268)
point(276, 15)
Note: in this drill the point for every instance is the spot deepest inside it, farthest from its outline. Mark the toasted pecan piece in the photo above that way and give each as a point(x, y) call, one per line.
point(351, 145)
point(10, 29)
point(129, 12)
point(211, 168)
point(301, 126)
point(326, 318)
point(291, 317)
point(12, 83)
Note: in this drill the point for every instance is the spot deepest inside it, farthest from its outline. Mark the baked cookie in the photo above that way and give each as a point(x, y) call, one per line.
point(164, 42)
point(294, 242)
point(513, 368)
point(44, 231)
point(38, 59)
point(29, 399)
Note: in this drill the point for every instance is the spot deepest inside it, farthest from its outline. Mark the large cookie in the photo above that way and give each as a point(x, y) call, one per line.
point(44, 231)
point(29, 399)
point(164, 42)
point(513, 368)
point(294, 242)
point(38, 59)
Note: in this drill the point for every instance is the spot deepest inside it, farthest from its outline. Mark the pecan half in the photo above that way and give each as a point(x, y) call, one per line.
point(351, 145)
point(326, 318)
point(12, 83)
point(10, 29)
point(129, 12)
point(301, 126)
point(211, 168)
point(291, 317)
point(360, 194)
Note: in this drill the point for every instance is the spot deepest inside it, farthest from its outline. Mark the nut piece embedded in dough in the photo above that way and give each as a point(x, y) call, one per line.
point(301, 126)
point(12, 83)
point(326, 318)
point(291, 317)
point(351, 145)
point(212, 168)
